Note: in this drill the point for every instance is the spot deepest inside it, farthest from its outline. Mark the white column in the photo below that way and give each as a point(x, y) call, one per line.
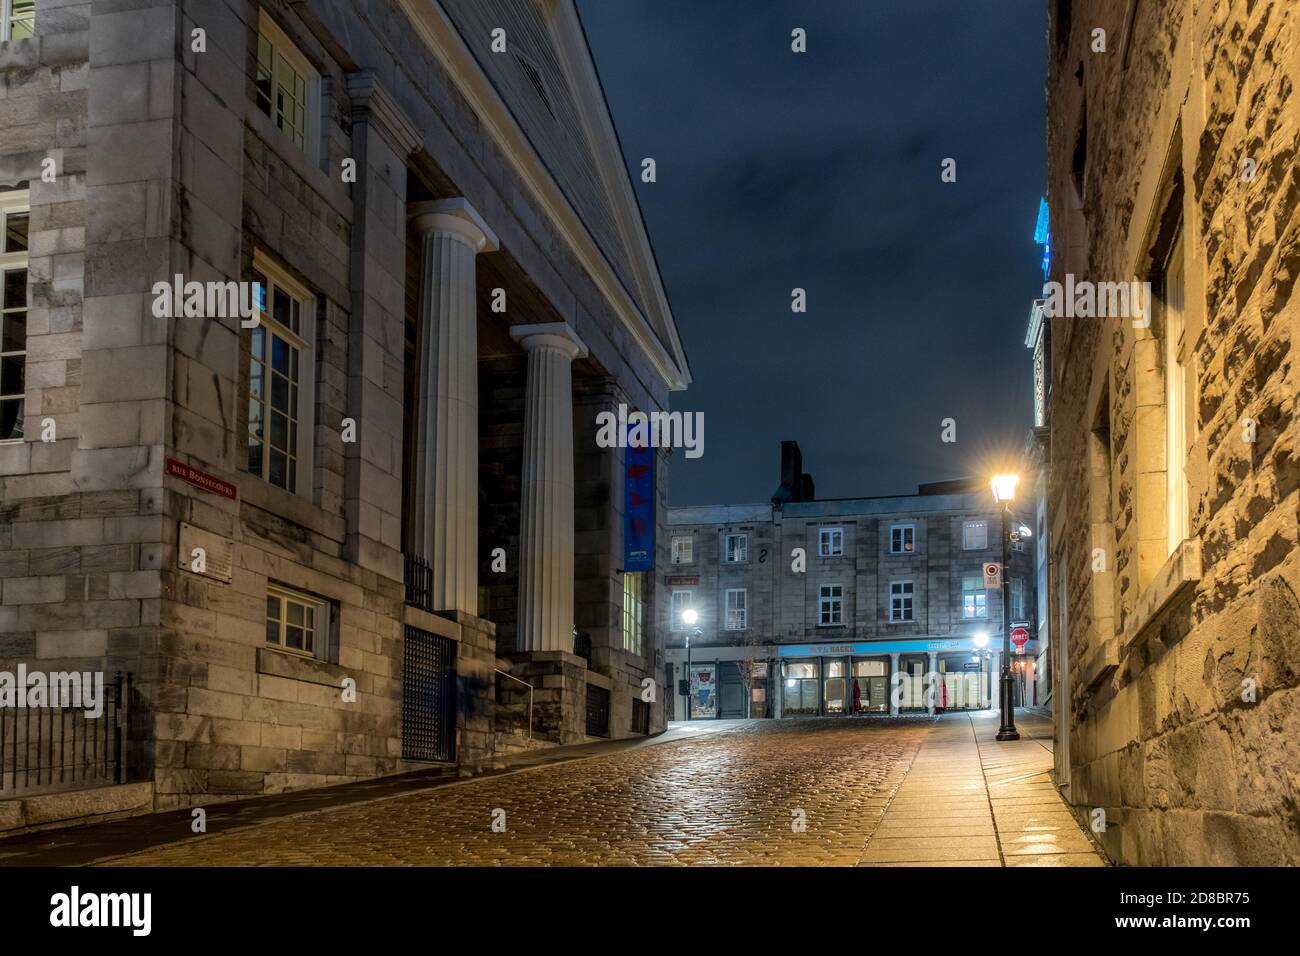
point(932, 681)
point(894, 688)
point(546, 513)
point(444, 494)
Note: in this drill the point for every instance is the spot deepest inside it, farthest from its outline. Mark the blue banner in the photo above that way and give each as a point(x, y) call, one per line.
point(639, 507)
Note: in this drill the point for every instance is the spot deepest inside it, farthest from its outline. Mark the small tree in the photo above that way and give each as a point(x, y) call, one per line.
point(750, 656)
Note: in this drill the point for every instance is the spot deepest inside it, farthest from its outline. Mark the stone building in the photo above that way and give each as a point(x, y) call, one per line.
point(1173, 499)
point(361, 524)
point(882, 587)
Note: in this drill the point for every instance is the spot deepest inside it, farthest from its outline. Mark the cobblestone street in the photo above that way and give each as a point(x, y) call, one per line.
point(730, 797)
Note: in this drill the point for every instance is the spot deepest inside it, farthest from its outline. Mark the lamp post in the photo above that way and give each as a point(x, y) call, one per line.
point(1004, 491)
point(689, 617)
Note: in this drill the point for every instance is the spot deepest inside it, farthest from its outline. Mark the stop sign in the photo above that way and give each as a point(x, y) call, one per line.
point(1019, 636)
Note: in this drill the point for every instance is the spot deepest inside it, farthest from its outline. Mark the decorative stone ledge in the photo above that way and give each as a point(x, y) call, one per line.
point(47, 811)
point(1175, 578)
point(442, 625)
point(1099, 665)
point(298, 667)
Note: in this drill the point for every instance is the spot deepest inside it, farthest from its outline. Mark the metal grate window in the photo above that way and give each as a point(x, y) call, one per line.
point(640, 716)
point(597, 711)
point(428, 696)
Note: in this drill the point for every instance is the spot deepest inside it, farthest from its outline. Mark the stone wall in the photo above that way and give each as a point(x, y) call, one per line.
point(165, 166)
point(1181, 673)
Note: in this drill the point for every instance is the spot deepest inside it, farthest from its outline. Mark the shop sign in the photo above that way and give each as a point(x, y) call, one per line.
point(681, 580)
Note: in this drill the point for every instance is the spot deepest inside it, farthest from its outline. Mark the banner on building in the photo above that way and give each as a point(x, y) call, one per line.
point(638, 507)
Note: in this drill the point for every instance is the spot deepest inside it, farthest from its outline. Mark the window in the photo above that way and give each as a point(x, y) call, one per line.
point(280, 379)
point(974, 535)
point(737, 547)
point(683, 550)
point(830, 542)
point(680, 601)
point(13, 312)
point(633, 611)
point(801, 688)
point(1017, 600)
point(737, 619)
point(974, 599)
point(17, 19)
point(297, 622)
point(286, 86)
point(900, 601)
point(1176, 368)
point(902, 539)
point(830, 606)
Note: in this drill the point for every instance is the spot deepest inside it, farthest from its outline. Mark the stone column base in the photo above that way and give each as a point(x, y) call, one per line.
point(559, 682)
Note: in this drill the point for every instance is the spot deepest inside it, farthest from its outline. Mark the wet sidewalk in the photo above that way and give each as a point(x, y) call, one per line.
point(969, 800)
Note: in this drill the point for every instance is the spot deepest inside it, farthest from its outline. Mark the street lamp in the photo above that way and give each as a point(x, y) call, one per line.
point(1004, 490)
point(689, 617)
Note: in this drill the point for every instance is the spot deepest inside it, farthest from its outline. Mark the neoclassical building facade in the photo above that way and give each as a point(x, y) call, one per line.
point(367, 525)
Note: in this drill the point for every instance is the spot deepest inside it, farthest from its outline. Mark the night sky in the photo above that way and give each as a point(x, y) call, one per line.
point(822, 170)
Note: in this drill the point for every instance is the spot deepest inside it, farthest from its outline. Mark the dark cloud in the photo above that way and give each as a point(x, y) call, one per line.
point(821, 171)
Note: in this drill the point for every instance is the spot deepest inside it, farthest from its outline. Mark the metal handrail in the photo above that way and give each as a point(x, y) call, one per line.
point(530, 696)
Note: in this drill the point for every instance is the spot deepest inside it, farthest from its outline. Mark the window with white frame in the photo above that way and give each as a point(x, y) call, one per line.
point(633, 611)
point(1017, 599)
point(1177, 365)
point(297, 622)
point(900, 601)
point(287, 85)
point(902, 539)
point(683, 549)
point(17, 19)
point(13, 312)
point(830, 605)
point(737, 609)
point(974, 598)
point(681, 599)
point(974, 535)
point(737, 548)
point(830, 542)
point(281, 375)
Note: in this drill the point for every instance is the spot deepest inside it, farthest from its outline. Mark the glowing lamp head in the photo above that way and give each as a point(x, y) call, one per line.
point(980, 640)
point(690, 616)
point(1004, 487)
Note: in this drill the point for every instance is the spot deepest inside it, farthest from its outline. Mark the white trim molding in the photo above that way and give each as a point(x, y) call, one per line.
point(442, 38)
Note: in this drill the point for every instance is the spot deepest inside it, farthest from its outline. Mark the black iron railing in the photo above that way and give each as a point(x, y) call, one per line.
point(582, 646)
point(419, 582)
point(53, 748)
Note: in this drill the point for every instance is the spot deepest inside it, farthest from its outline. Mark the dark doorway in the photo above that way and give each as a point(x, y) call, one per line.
point(731, 691)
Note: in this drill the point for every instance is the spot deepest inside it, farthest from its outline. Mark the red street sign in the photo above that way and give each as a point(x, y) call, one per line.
point(1019, 636)
point(200, 478)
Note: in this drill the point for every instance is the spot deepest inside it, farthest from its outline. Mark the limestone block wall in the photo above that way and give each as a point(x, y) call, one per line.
point(1181, 712)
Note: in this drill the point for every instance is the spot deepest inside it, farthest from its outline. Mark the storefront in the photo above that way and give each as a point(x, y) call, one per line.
point(820, 680)
point(855, 678)
point(720, 689)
